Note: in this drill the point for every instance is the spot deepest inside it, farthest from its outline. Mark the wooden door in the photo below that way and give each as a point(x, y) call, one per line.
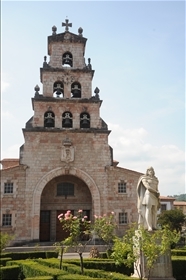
point(45, 225)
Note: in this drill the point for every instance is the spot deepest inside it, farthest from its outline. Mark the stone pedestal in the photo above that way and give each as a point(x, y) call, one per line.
point(162, 269)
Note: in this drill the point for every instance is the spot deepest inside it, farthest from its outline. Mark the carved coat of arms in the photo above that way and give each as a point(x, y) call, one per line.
point(67, 151)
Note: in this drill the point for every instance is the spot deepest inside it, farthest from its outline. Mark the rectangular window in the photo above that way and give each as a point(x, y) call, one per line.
point(8, 187)
point(7, 219)
point(122, 187)
point(123, 218)
point(65, 189)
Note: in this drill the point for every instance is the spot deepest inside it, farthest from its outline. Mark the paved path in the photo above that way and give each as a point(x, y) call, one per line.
point(74, 255)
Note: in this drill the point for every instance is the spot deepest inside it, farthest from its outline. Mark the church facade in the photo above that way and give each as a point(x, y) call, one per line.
point(65, 162)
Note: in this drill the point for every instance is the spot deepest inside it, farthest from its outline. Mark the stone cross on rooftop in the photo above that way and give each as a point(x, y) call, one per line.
point(66, 24)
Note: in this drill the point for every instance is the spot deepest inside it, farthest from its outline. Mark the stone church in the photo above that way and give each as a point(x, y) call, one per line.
point(65, 162)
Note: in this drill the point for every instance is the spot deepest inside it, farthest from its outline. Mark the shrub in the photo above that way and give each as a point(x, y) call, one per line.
point(10, 272)
point(179, 268)
point(74, 277)
point(40, 278)
point(30, 268)
point(30, 255)
point(103, 264)
point(176, 252)
point(5, 239)
point(4, 260)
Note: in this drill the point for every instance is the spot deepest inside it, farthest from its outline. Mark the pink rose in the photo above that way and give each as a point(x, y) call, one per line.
point(60, 216)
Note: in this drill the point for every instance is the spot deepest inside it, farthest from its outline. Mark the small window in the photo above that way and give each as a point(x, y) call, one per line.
point(8, 188)
point(65, 189)
point(122, 187)
point(7, 219)
point(123, 218)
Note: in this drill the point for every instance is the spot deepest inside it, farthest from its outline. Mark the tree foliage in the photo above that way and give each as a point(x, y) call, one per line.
point(180, 197)
point(5, 239)
point(174, 218)
point(138, 242)
point(78, 228)
point(105, 226)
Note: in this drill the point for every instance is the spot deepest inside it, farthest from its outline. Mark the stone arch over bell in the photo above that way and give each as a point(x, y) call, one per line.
point(48, 177)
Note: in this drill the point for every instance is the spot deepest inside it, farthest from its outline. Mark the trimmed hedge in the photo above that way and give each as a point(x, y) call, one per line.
point(73, 267)
point(74, 277)
point(176, 252)
point(179, 268)
point(30, 268)
point(4, 260)
point(10, 272)
point(40, 278)
point(108, 265)
point(30, 255)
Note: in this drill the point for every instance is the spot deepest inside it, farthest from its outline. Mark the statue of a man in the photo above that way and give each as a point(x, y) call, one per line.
point(148, 200)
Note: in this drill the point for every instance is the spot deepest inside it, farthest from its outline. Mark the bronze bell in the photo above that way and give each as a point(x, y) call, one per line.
point(58, 93)
point(67, 122)
point(67, 60)
point(76, 91)
point(58, 88)
point(85, 123)
point(49, 122)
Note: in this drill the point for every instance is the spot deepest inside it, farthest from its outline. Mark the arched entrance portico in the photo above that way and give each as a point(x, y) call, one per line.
point(54, 177)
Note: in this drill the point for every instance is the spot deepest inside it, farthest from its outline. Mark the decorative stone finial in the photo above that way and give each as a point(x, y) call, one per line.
point(54, 29)
point(37, 89)
point(80, 31)
point(96, 91)
point(66, 24)
point(45, 63)
point(89, 65)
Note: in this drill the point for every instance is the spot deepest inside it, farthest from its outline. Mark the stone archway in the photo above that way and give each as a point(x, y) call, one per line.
point(46, 179)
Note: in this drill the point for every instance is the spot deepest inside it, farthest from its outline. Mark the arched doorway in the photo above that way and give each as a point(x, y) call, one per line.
point(62, 193)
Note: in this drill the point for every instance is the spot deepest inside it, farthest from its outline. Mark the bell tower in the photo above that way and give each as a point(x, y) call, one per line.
point(66, 101)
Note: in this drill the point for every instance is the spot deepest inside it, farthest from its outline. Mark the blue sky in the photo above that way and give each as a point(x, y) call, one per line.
point(137, 52)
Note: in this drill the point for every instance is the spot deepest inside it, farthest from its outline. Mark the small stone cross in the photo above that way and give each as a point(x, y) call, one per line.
point(66, 24)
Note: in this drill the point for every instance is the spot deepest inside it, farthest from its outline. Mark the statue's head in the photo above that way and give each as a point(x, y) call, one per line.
point(150, 171)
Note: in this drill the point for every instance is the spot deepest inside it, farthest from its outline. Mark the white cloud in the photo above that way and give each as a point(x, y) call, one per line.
point(4, 86)
point(11, 152)
point(7, 115)
point(133, 151)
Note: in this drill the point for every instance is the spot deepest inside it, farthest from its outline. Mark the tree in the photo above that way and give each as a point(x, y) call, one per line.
point(105, 226)
point(79, 229)
point(138, 242)
point(180, 197)
point(175, 219)
point(5, 239)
